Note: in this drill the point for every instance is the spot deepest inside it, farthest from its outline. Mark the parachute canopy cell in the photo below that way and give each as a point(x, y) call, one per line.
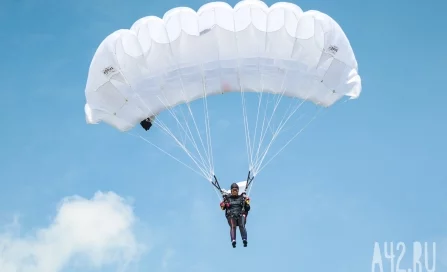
point(162, 62)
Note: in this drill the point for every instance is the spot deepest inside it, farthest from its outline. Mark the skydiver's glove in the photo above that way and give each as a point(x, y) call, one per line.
point(247, 200)
point(224, 205)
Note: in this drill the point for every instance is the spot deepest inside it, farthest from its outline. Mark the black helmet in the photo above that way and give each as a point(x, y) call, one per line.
point(234, 186)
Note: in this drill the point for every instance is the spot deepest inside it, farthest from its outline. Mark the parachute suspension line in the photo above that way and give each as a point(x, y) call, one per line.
point(283, 122)
point(241, 88)
point(167, 153)
point(256, 160)
point(263, 123)
point(166, 129)
point(209, 166)
point(189, 136)
point(294, 136)
point(251, 144)
point(163, 126)
point(257, 119)
point(185, 149)
point(251, 176)
point(203, 173)
point(206, 163)
point(246, 128)
point(260, 157)
point(264, 132)
point(260, 96)
point(208, 150)
point(207, 124)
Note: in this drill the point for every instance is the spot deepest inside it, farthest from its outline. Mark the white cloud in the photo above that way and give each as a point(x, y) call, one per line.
point(99, 232)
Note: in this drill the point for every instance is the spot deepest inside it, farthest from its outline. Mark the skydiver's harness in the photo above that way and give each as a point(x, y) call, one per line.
point(234, 214)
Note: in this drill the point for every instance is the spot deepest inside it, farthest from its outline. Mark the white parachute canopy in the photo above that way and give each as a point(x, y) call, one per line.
point(162, 63)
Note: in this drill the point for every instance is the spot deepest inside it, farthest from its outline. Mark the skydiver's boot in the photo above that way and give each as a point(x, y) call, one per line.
point(233, 243)
point(245, 242)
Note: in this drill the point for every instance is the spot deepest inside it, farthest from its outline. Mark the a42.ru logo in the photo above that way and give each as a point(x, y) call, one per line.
point(390, 255)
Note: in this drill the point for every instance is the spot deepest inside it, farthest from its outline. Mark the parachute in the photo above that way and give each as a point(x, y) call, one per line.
point(159, 64)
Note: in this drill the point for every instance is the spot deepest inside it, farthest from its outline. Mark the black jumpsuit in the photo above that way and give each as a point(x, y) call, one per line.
point(236, 216)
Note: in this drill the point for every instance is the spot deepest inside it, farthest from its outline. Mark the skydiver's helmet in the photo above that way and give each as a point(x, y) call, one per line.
point(234, 189)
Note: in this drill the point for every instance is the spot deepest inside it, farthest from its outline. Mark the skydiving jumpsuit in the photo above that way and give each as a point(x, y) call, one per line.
point(236, 213)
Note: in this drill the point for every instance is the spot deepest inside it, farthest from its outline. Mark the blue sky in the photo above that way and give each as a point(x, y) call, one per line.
point(368, 170)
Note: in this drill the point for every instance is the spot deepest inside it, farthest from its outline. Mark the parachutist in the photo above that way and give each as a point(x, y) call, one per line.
point(236, 209)
point(147, 123)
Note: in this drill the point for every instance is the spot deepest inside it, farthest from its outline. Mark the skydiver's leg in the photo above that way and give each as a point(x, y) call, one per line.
point(242, 229)
point(233, 224)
